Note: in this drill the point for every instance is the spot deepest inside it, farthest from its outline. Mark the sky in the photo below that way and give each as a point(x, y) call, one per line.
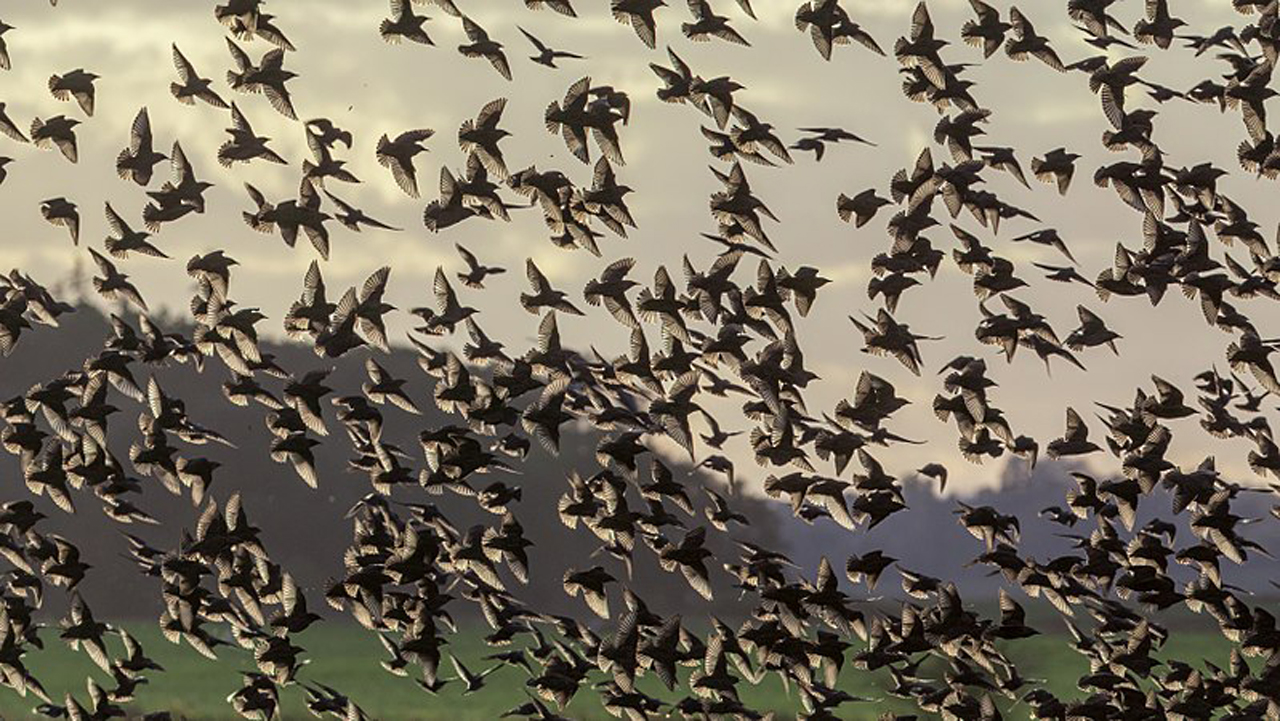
point(348, 74)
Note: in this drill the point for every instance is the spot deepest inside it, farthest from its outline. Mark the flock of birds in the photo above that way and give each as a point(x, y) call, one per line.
point(408, 564)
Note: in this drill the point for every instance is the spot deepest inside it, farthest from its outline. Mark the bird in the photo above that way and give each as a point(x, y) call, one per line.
point(191, 86)
point(1076, 440)
point(137, 161)
point(114, 285)
point(590, 584)
point(988, 31)
point(354, 218)
point(6, 62)
point(1057, 166)
point(638, 14)
point(327, 133)
point(482, 135)
point(1092, 332)
point(9, 128)
point(820, 136)
point(861, 208)
point(1028, 44)
point(449, 312)
point(404, 24)
point(397, 156)
point(482, 46)
point(1159, 26)
point(476, 273)
point(245, 145)
point(936, 471)
point(471, 682)
point(126, 240)
point(543, 295)
point(76, 84)
point(1048, 237)
point(1063, 274)
point(59, 132)
point(546, 55)
point(60, 211)
point(707, 24)
point(267, 77)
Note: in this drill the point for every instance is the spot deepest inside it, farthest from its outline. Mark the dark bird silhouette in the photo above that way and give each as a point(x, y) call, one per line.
point(829, 25)
point(397, 155)
point(404, 24)
point(638, 14)
point(137, 161)
point(58, 131)
point(1048, 237)
point(987, 31)
point(546, 55)
point(1076, 440)
point(475, 273)
point(9, 128)
point(885, 336)
point(482, 135)
point(126, 240)
point(821, 136)
point(706, 25)
point(267, 77)
point(861, 207)
point(481, 46)
point(354, 218)
point(1158, 26)
point(60, 211)
point(1057, 166)
point(114, 285)
point(76, 84)
point(245, 145)
point(190, 86)
point(1028, 44)
point(543, 295)
point(5, 62)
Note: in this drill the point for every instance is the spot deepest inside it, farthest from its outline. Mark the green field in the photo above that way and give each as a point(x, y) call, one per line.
point(347, 657)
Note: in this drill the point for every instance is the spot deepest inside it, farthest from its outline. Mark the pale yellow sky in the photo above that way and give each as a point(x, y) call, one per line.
point(347, 73)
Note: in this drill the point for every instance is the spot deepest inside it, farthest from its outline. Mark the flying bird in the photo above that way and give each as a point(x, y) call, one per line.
point(191, 86)
point(59, 132)
point(137, 161)
point(546, 55)
point(482, 46)
point(404, 24)
point(78, 85)
point(397, 155)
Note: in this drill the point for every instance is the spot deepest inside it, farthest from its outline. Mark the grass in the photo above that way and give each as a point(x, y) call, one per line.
point(347, 657)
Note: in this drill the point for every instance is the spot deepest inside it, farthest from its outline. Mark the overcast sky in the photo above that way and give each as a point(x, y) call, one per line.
point(347, 73)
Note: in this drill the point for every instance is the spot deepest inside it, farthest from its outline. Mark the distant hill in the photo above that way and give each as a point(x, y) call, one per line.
point(929, 539)
point(306, 530)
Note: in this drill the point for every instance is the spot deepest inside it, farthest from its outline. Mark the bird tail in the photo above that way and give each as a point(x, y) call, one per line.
point(552, 117)
point(224, 154)
point(36, 126)
point(843, 207)
point(122, 160)
point(151, 217)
